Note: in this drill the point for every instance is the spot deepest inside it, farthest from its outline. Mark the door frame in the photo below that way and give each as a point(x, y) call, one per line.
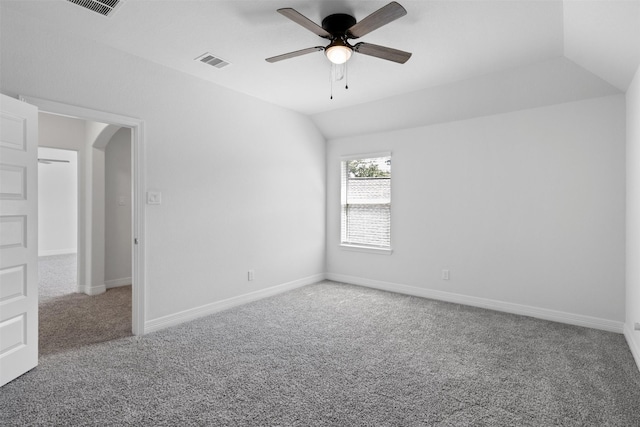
point(138, 174)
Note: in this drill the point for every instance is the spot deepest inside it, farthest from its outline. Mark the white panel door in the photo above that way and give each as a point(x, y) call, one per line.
point(18, 238)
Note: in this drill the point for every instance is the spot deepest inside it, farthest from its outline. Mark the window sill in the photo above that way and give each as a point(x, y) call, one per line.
point(366, 249)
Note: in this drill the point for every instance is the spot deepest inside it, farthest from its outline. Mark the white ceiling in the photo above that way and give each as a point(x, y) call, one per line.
point(450, 40)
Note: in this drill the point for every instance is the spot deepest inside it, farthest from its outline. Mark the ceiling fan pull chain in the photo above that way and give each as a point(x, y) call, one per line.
point(331, 79)
point(346, 76)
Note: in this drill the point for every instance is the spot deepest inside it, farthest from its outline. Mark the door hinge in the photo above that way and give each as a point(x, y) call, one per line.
point(135, 241)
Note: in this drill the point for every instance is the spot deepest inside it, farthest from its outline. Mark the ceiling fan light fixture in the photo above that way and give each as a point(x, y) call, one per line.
point(338, 52)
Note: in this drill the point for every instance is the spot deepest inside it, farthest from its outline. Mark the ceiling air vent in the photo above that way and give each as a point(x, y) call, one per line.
point(212, 60)
point(103, 7)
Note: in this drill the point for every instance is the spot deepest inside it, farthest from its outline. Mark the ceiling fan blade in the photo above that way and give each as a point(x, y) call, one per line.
point(49, 161)
point(294, 54)
point(307, 23)
point(377, 19)
point(382, 52)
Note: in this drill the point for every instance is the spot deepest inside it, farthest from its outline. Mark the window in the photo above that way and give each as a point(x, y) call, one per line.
point(366, 202)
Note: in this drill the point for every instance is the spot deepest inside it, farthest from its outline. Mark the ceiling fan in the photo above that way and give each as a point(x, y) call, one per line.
point(339, 28)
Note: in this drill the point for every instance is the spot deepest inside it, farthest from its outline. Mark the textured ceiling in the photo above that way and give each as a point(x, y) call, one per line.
point(450, 40)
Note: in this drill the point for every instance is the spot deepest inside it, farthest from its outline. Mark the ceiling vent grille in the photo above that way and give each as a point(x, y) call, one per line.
point(212, 60)
point(103, 7)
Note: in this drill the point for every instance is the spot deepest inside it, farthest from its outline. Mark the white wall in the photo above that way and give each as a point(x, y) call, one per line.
point(633, 216)
point(68, 134)
point(536, 85)
point(242, 181)
point(118, 238)
point(525, 208)
point(97, 137)
point(57, 202)
point(61, 132)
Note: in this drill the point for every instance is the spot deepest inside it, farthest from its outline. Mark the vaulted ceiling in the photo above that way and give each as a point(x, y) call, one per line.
point(451, 42)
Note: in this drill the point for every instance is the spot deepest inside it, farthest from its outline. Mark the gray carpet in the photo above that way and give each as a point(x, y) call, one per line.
point(57, 276)
point(339, 355)
point(69, 320)
point(72, 321)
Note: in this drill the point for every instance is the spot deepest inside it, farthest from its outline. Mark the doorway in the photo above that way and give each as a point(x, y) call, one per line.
point(88, 270)
point(72, 313)
point(57, 222)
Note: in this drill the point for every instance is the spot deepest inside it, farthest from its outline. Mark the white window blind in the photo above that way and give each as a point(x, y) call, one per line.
point(366, 201)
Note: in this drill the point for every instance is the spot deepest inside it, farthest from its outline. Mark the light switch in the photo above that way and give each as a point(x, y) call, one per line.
point(154, 198)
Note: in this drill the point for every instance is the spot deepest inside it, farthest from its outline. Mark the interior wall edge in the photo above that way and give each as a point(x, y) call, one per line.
point(94, 289)
point(57, 252)
point(217, 306)
point(116, 283)
point(632, 269)
point(634, 345)
point(502, 306)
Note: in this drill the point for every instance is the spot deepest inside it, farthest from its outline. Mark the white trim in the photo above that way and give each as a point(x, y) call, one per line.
point(365, 156)
point(115, 283)
point(367, 249)
point(355, 247)
point(138, 228)
point(507, 307)
point(94, 289)
point(214, 307)
point(138, 215)
point(73, 111)
point(52, 252)
point(634, 344)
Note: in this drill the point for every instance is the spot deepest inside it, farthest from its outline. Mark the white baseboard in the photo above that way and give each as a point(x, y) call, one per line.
point(214, 307)
point(56, 252)
point(114, 283)
point(525, 310)
point(633, 339)
point(95, 289)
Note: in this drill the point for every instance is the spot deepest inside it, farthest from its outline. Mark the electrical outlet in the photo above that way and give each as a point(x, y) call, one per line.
point(154, 198)
point(250, 275)
point(445, 274)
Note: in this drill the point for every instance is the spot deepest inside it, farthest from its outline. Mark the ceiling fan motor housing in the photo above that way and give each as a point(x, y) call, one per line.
point(338, 24)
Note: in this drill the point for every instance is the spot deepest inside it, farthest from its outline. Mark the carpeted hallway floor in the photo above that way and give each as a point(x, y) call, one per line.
point(338, 355)
point(69, 320)
point(56, 276)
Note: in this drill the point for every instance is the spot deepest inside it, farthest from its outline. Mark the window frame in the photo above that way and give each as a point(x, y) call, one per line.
point(363, 247)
